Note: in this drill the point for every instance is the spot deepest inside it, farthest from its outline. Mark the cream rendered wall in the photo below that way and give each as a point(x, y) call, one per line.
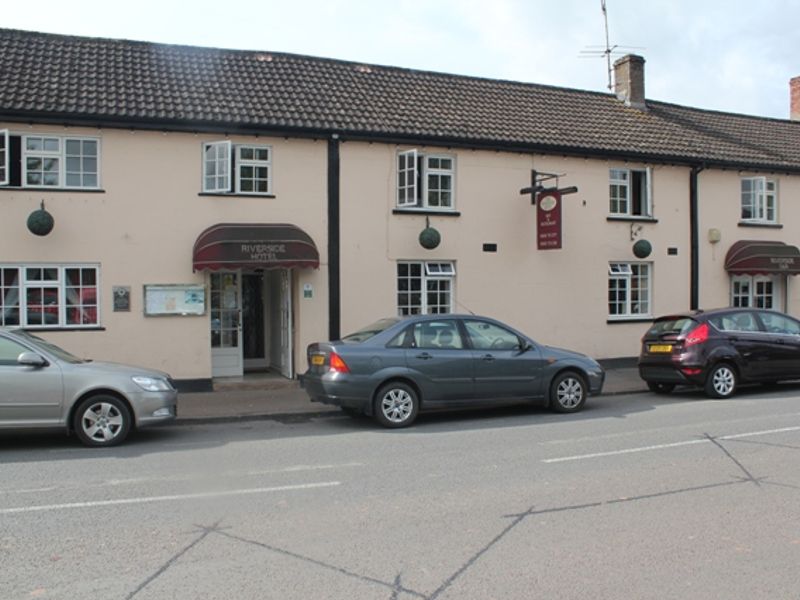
point(720, 208)
point(141, 230)
point(559, 297)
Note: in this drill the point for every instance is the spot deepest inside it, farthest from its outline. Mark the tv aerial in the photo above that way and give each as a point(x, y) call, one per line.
point(608, 50)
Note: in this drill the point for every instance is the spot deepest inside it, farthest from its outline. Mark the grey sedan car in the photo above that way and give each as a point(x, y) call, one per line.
point(44, 386)
point(398, 366)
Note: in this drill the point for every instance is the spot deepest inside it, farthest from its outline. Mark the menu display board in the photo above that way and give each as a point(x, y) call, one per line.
point(174, 299)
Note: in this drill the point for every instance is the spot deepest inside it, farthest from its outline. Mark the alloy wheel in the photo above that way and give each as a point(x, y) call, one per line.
point(397, 405)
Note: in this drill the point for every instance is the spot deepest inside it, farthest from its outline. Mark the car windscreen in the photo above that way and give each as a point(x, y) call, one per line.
point(671, 325)
point(369, 331)
point(56, 351)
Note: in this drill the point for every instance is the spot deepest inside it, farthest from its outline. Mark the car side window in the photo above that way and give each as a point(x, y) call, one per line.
point(400, 340)
point(10, 351)
point(741, 321)
point(488, 336)
point(775, 323)
point(437, 335)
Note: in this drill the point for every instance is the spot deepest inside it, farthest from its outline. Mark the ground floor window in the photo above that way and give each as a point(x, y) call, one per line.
point(629, 289)
point(425, 287)
point(756, 291)
point(49, 295)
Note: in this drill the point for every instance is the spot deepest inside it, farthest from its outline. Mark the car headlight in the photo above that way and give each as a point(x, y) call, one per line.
point(151, 384)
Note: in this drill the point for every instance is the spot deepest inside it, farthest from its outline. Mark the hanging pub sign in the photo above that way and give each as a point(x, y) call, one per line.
point(548, 220)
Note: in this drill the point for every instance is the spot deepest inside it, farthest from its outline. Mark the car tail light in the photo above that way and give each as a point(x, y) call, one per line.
point(691, 371)
point(698, 335)
point(337, 364)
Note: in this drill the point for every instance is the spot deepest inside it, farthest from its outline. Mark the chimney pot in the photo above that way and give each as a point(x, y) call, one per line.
point(629, 81)
point(794, 99)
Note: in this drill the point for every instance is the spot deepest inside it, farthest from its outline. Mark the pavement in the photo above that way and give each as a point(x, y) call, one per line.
point(271, 396)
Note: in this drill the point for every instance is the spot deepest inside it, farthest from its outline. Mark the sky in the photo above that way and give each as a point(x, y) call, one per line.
point(728, 55)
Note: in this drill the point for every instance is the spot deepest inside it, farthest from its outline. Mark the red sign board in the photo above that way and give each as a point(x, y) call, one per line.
point(548, 220)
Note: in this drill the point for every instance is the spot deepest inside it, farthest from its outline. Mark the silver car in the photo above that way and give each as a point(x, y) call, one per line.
point(44, 386)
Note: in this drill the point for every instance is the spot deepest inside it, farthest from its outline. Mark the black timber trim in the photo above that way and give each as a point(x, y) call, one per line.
point(694, 237)
point(334, 242)
point(613, 218)
point(317, 132)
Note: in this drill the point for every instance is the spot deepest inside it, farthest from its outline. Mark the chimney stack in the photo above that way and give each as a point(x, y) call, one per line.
point(794, 102)
point(629, 81)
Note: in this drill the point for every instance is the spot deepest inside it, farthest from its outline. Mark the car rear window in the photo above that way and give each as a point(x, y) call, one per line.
point(369, 331)
point(674, 325)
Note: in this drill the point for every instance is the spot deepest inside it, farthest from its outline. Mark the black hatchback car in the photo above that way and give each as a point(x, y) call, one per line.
point(718, 349)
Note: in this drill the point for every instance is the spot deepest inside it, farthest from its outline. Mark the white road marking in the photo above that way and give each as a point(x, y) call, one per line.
point(665, 446)
point(146, 499)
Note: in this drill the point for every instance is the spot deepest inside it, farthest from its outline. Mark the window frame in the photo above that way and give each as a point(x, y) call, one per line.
point(630, 273)
point(26, 283)
point(239, 162)
point(427, 282)
point(219, 158)
point(764, 200)
point(412, 186)
point(60, 155)
point(5, 175)
point(646, 211)
point(754, 297)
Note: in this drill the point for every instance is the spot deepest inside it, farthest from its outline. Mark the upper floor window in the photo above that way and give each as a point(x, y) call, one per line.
point(237, 168)
point(629, 288)
point(759, 200)
point(49, 161)
point(630, 193)
point(49, 296)
point(425, 180)
point(425, 287)
point(4, 157)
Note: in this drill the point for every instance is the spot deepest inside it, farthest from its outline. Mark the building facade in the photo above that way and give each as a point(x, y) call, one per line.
point(214, 211)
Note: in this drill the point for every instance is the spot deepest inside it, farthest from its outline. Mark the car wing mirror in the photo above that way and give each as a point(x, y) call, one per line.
point(31, 359)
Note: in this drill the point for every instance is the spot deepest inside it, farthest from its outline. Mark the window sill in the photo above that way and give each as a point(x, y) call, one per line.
point(426, 211)
point(8, 188)
point(33, 328)
point(229, 195)
point(627, 219)
point(636, 319)
point(760, 224)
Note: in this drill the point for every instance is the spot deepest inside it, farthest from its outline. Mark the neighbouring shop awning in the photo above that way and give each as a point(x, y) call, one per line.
point(752, 257)
point(254, 246)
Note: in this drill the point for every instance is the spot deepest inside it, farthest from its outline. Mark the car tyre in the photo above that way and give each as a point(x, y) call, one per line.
point(568, 392)
point(396, 405)
point(102, 421)
point(658, 387)
point(721, 381)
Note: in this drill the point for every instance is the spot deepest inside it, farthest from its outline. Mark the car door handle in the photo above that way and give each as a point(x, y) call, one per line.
point(424, 356)
point(487, 357)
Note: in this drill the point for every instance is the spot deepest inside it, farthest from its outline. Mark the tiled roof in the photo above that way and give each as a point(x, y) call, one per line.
point(113, 82)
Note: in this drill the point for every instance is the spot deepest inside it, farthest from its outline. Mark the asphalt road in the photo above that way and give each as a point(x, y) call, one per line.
point(639, 496)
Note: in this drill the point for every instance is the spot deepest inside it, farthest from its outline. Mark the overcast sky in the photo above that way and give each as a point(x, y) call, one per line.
point(729, 55)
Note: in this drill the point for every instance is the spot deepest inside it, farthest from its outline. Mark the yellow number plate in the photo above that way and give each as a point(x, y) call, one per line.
point(660, 348)
point(318, 359)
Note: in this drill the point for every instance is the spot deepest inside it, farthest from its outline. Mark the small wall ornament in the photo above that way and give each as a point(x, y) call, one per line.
point(40, 222)
point(642, 249)
point(429, 238)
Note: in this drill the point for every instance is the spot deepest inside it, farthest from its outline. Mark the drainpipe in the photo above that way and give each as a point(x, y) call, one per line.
point(334, 285)
point(694, 236)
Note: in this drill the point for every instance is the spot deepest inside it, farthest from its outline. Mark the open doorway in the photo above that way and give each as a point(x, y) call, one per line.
point(267, 321)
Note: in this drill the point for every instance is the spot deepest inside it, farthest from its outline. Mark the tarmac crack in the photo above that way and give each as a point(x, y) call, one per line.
point(205, 532)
